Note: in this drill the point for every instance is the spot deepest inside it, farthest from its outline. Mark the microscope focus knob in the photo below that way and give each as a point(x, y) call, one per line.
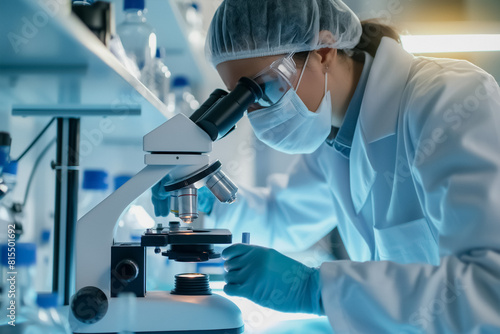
point(127, 270)
point(89, 305)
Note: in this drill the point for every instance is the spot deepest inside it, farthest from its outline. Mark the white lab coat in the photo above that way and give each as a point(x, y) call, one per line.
point(417, 204)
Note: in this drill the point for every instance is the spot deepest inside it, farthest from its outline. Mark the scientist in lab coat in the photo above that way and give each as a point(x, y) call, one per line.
point(401, 153)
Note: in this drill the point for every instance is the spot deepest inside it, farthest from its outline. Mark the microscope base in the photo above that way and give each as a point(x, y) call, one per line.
point(161, 312)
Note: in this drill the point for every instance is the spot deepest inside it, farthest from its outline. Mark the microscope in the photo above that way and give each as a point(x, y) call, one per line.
point(177, 151)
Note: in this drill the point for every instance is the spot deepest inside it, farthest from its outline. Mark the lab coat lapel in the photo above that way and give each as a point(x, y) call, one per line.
point(378, 115)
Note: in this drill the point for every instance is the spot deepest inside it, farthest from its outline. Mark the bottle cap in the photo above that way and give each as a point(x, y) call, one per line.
point(180, 81)
point(95, 180)
point(46, 300)
point(120, 180)
point(133, 4)
point(23, 254)
point(45, 235)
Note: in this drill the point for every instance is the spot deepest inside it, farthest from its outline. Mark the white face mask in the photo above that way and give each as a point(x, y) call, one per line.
point(289, 127)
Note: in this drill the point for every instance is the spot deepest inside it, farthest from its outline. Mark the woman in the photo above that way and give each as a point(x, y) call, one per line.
point(402, 153)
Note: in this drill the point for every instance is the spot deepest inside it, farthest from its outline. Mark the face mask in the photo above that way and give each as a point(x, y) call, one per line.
point(289, 127)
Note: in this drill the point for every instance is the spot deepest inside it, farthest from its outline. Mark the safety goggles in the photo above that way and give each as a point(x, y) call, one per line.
point(275, 81)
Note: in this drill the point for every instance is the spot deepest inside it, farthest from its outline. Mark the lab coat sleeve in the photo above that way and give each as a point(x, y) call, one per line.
point(293, 212)
point(454, 154)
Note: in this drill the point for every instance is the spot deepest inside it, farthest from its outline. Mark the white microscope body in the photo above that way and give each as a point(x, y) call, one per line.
point(157, 311)
point(178, 148)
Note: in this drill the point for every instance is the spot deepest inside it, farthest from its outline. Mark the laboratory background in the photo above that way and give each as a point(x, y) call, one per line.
point(96, 81)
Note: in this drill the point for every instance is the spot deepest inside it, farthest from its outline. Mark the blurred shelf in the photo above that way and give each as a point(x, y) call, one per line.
point(183, 57)
point(48, 57)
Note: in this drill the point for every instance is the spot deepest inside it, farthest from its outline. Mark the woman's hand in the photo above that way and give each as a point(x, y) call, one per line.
point(271, 279)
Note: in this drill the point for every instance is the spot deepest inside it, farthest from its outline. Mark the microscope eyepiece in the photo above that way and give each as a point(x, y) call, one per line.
point(212, 99)
point(228, 109)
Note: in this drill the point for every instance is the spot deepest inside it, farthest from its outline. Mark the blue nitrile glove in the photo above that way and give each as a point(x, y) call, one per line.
point(205, 200)
point(271, 279)
point(161, 199)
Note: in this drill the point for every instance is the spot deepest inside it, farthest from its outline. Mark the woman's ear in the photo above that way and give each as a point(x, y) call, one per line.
point(327, 55)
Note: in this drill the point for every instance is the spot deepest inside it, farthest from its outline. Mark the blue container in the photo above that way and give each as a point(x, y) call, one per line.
point(95, 180)
point(11, 168)
point(120, 180)
point(46, 300)
point(25, 254)
point(5, 142)
point(180, 82)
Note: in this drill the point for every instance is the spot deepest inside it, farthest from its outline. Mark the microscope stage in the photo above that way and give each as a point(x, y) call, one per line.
point(186, 237)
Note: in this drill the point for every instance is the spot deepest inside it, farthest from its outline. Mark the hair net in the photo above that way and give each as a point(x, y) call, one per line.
point(256, 28)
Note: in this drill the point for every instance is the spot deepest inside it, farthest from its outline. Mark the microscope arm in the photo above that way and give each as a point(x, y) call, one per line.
point(95, 231)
